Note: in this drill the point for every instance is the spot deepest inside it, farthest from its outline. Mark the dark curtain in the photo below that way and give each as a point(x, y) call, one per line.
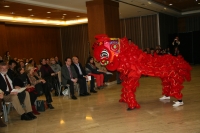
point(168, 25)
point(196, 47)
point(75, 42)
point(149, 31)
point(193, 23)
point(143, 31)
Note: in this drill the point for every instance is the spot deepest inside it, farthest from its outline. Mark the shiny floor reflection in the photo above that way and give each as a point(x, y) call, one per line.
point(102, 113)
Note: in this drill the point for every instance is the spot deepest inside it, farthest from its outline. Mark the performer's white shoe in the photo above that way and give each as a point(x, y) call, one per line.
point(164, 98)
point(177, 103)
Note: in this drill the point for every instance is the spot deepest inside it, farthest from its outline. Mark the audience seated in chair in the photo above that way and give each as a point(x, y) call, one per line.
point(7, 86)
point(103, 70)
point(57, 69)
point(58, 61)
point(7, 57)
point(22, 80)
point(39, 84)
point(90, 65)
point(69, 76)
point(48, 74)
point(82, 77)
point(12, 69)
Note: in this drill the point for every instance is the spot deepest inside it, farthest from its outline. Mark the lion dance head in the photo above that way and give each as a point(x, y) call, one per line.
point(106, 51)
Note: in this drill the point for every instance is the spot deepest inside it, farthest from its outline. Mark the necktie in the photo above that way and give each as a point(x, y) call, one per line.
point(8, 84)
point(70, 73)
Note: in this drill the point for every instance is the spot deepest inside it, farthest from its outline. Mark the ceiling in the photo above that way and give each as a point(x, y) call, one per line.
point(62, 11)
point(180, 5)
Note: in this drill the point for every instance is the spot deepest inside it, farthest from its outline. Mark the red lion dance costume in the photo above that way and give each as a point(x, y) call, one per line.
point(131, 62)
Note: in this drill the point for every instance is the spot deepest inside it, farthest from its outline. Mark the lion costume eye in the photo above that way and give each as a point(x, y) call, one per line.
point(104, 53)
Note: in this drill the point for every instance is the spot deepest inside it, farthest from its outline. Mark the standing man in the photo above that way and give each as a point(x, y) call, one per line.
point(69, 76)
point(9, 96)
point(175, 44)
point(82, 77)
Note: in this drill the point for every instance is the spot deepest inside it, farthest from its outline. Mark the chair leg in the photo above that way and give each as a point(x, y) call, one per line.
point(9, 106)
point(5, 113)
point(69, 94)
point(58, 89)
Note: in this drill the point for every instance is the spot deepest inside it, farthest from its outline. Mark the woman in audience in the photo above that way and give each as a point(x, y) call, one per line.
point(1, 59)
point(48, 74)
point(22, 80)
point(21, 64)
point(58, 61)
point(37, 81)
point(102, 69)
point(26, 61)
point(94, 72)
point(48, 61)
point(32, 62)
point(55, 67)
point(2, 124)
point(7, 56)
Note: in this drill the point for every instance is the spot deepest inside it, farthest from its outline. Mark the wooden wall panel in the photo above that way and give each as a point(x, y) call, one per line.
point(75, 42)
point(103, 18)
point(33, 41)
point(3, 39)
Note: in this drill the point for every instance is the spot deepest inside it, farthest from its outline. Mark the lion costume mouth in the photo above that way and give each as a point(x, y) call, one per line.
point(104, 62)
point(104, 54)
point(104, 57)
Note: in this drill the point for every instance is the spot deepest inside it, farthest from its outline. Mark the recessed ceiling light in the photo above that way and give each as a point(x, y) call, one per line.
point(29, 9)
point(6, 6)
point(77, 16)
point(170, 4)
point(198, 3)
point(12, 13)
point(64, 14)
point(48, 12)
point(165, 8)
point(32, 15)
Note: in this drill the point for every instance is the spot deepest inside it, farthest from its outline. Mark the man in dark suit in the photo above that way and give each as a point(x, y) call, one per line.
point(9, 96)
point(69, 76)
point(82, 77)
point(12, 69)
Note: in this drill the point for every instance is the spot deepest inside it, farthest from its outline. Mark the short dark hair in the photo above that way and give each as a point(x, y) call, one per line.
point(75, 56)
point(42, 60)
point(67, 58)
point(12, 61)
point(3, 64)
point(89, 58)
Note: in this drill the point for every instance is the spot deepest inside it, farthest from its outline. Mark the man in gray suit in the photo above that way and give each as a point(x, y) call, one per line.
point(69, 76)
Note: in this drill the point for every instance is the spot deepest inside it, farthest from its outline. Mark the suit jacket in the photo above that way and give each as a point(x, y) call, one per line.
point(65, 74)
point(77, 71)
point(3, 85)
